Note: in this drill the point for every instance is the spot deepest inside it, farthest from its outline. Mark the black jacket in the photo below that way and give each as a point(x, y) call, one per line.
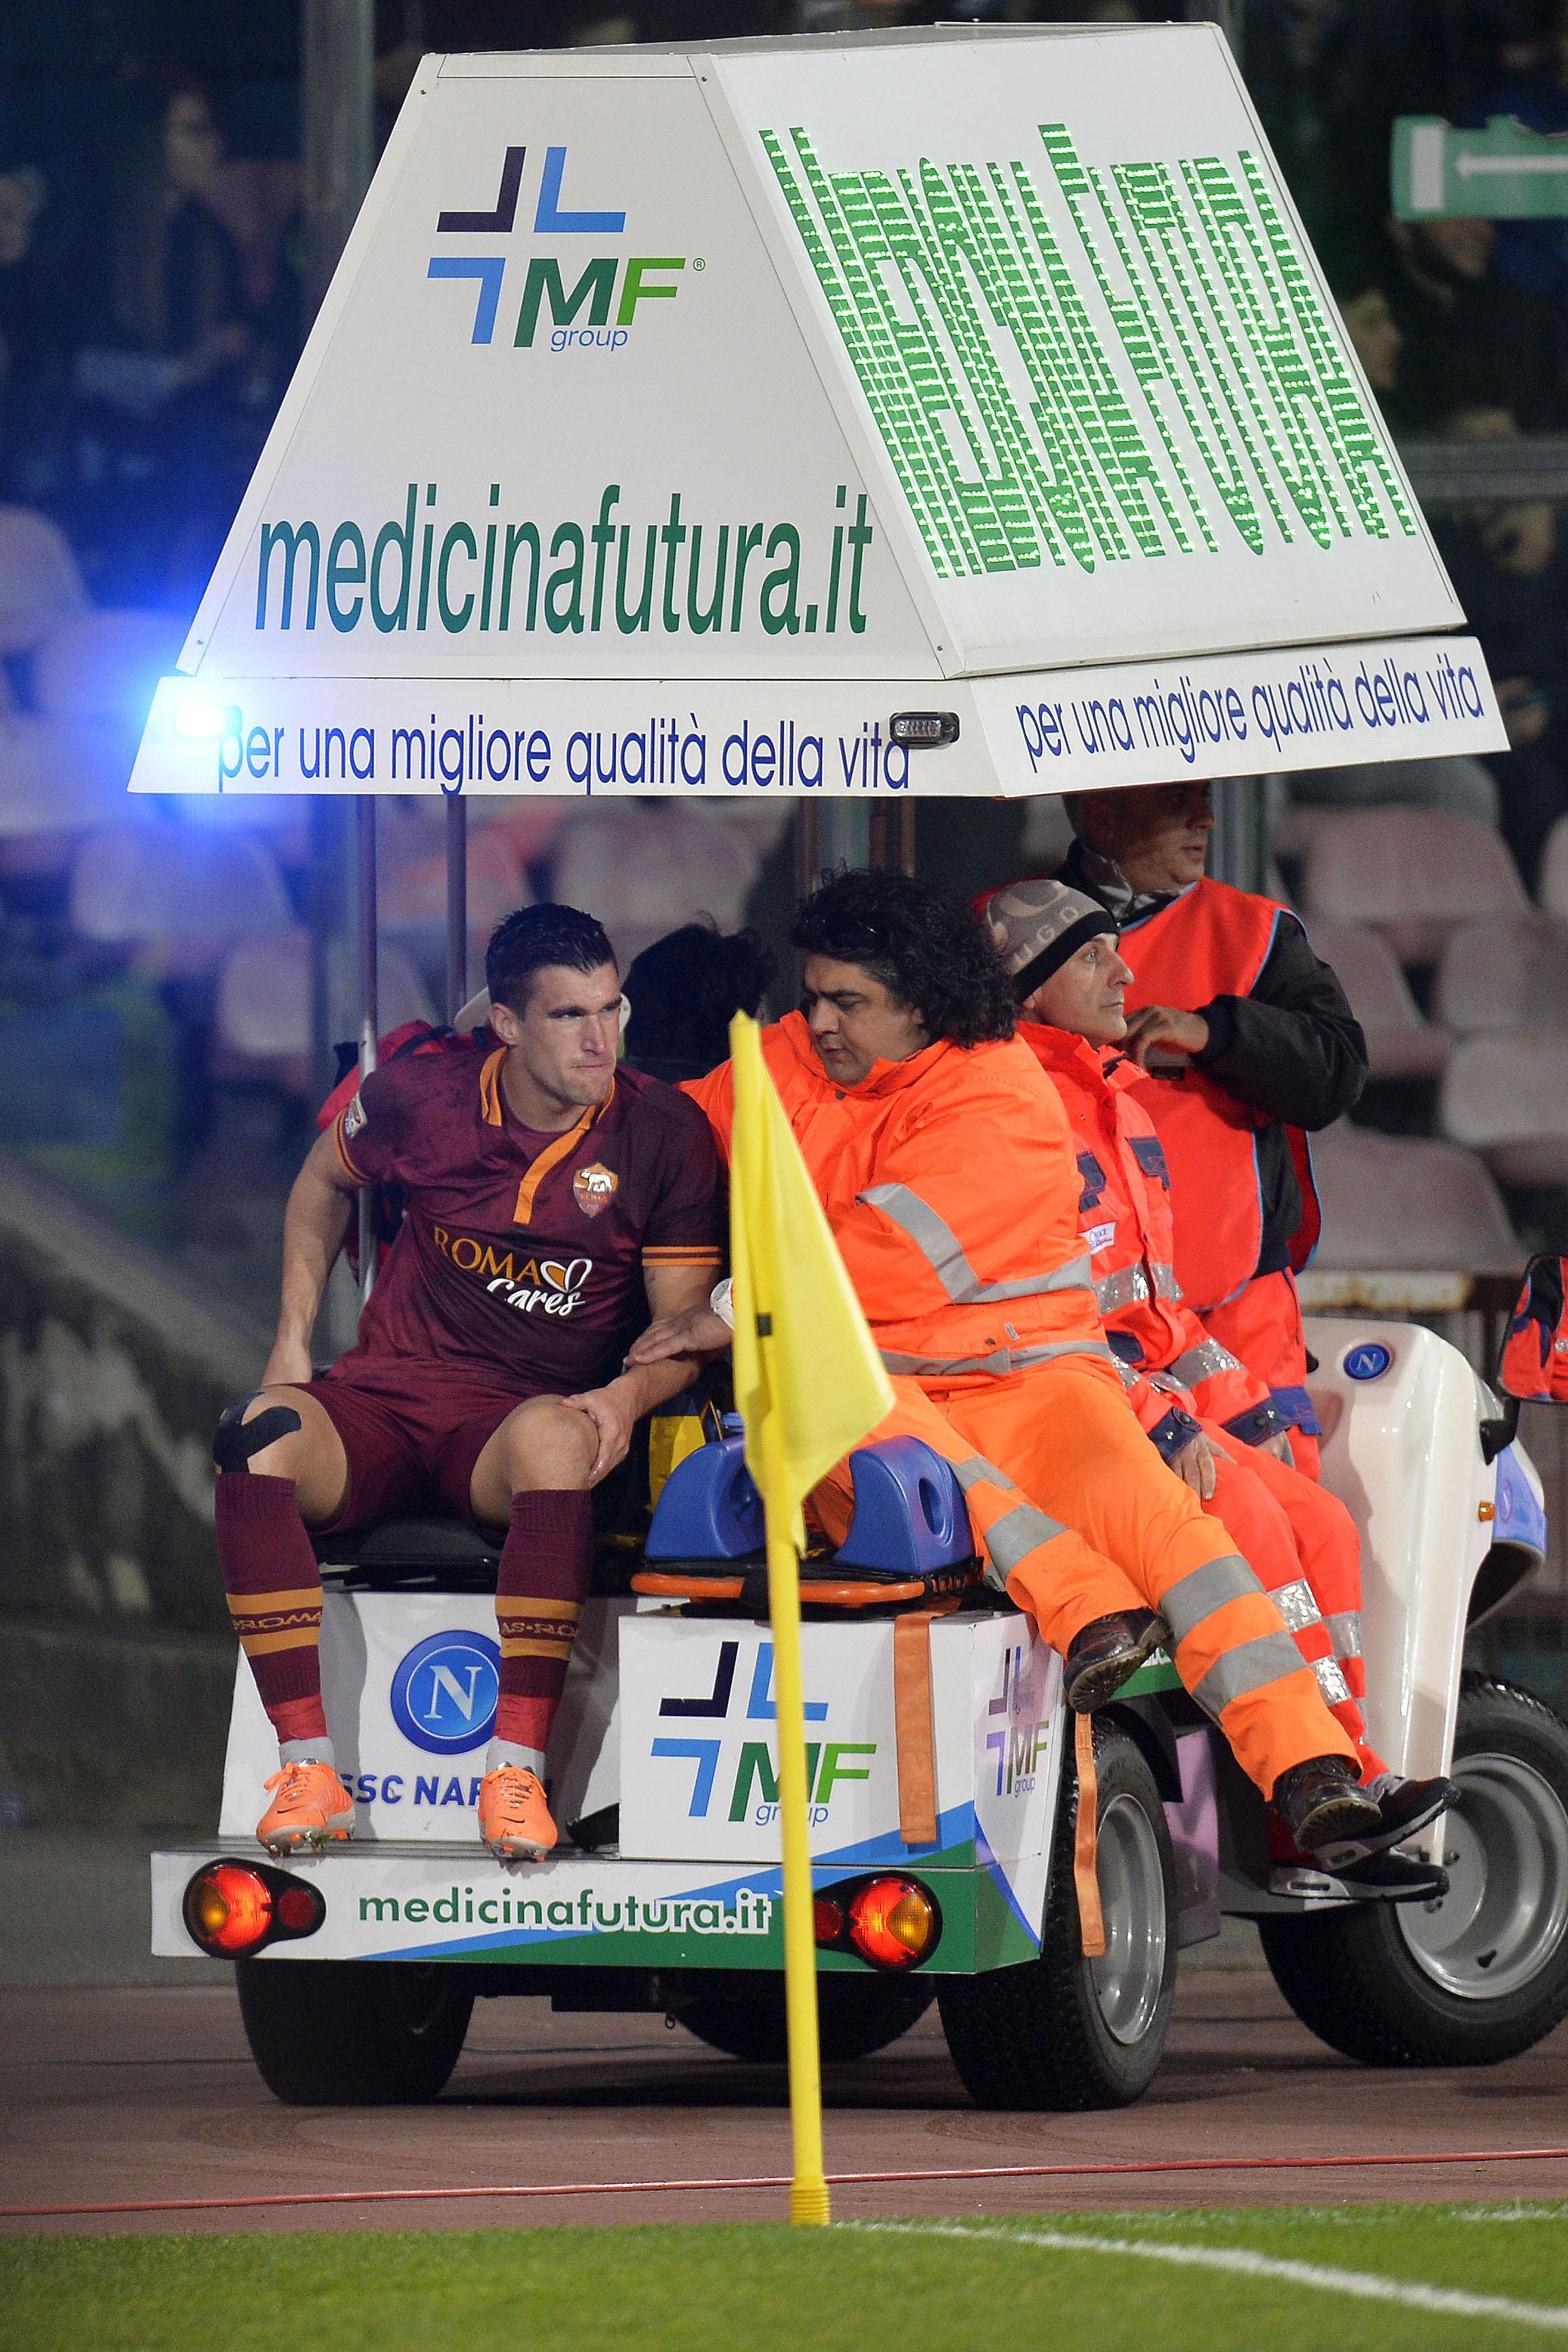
point(1292, 1049)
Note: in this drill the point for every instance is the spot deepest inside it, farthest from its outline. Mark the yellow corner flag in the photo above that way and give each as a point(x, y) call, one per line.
point(809, 1385)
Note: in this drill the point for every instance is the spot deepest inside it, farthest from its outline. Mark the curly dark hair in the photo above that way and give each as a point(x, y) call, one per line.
point(534, 937)
point(926, 948)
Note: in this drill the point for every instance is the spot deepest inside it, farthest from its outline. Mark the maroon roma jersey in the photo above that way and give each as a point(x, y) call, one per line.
point(515, 1260)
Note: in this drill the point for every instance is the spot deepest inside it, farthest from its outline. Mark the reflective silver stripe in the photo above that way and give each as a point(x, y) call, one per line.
point(1250, 1666)
point(1344, 1633)
point(970, 1473)
point(1296, 1605)
point(1331, 1680)
point(940, 1247)
point(1121, 1288)
point(1166, 1284)
point(1129, 1374)
point(1018, 1532)
point(1186, 1603)
point(1201, 1363)
point(999, 1362)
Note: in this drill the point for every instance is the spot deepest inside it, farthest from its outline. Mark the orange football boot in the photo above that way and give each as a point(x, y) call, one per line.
point(514, 1819)
point(311, 1808)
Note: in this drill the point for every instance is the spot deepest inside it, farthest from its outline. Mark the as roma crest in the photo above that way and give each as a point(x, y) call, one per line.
point(594, 1188)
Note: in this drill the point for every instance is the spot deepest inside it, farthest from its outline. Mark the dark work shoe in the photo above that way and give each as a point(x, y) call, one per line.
point(1107, 1653)
point(1406, 1806)
point(1392, 1878)
point(1324, 1807)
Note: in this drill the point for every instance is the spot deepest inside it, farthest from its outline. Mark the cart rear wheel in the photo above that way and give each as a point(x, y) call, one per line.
point(1483, 1974)
point(855, 2016)
point(352, 2033)
point(1064, 2032)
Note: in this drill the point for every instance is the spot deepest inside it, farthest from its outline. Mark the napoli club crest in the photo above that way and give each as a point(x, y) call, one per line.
point(594, 1188)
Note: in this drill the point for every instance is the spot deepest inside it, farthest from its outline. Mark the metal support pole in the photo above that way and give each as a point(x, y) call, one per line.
point(808, 851)
point(337, 101)
point(456, 905)
point(1239, 848)
point(843, 834)
point(369, 1010)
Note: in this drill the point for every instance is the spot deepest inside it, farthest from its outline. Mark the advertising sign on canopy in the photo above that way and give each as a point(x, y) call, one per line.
point(675, 418)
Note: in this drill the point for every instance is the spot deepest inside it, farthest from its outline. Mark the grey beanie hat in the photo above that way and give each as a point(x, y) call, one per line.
point(1036, 926)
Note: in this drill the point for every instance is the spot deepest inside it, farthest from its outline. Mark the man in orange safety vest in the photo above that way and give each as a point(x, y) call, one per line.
point(1247, 1042)
point(1205, 1412)
point(946, 1168)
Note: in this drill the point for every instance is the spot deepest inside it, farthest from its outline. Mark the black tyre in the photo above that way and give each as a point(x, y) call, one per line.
point(1483, 1974)
point(855, 2015)
point(1064, 2032)
point(352, 2033)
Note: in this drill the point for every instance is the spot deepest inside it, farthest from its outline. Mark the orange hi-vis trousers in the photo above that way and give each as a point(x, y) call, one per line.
point(1304, 1545)
point(1077, 1517)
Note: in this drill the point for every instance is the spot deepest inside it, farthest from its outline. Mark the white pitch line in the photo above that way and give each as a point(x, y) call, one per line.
point(1453, 2301)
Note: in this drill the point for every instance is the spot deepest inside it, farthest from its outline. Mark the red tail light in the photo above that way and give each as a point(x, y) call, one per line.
point(827, 1920)
point(894, 1922)
point(234, 1909)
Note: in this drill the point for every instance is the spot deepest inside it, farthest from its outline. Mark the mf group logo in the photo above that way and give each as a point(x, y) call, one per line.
point(752, 1790)
point(444, 1693)
point(599, 309)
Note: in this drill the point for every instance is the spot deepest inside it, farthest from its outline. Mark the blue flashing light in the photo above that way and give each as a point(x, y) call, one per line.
point(205, 722)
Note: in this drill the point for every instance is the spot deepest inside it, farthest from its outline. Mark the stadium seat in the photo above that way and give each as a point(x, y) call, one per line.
point(1413, 874)
point(105, 666)
point(413, 884)
point(56, 777)
point(39, 582)
point(1506, 1096)
point(1401, 1043)
point(262, 1027)
point(1509, 972)
point(181, 897)
point(1406, 1204)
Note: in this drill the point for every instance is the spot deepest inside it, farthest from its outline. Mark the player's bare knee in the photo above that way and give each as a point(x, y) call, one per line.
point(549, 1443)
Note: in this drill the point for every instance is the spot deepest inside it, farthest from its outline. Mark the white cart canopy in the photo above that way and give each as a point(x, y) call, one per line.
point(676, 417)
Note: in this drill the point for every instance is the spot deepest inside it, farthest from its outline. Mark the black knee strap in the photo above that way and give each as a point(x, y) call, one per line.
point(237, 1439)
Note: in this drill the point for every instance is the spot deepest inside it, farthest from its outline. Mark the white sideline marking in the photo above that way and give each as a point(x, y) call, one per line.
point(1367, 2284)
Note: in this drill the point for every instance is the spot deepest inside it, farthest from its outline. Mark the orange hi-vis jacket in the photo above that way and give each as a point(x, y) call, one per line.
point(1211, 941)
point(951, 1186)
point(1125, 1222)
point(949, 1182)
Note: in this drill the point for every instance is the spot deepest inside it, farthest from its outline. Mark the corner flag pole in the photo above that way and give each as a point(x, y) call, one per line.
point(811, 1386)
point(809, 2188)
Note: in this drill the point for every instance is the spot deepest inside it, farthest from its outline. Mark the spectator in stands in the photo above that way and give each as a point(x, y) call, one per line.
point(683, 993)
point(182, 308)
point(35, 334)
point(1469, 334)
point(1328, 77)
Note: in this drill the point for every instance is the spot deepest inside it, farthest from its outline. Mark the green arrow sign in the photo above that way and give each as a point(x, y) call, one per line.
point(1503, 173)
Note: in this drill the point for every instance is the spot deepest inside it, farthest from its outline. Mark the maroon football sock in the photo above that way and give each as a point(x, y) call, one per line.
point(544, 1570)
point(274, 1597)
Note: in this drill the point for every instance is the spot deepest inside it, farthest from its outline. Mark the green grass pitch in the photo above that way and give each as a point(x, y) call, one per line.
point(1377, 2275)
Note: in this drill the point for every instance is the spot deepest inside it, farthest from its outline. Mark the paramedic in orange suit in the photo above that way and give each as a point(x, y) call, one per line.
point(1204, 1411)
point(945, 1162)
point(1247, 1042)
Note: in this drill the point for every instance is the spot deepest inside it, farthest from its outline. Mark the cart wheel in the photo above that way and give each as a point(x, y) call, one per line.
point(855, 2015)
point(352, 2033)
point(1064, 2032)
point(1483, 1974)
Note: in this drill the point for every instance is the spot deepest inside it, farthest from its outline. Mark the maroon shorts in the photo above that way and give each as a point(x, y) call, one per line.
point(412, 1432)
